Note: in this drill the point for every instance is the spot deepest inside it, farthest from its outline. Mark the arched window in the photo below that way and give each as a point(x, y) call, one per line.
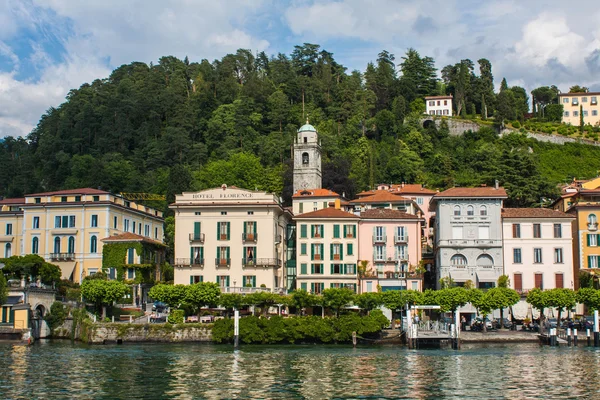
point(470, 210)
point(71, 245)
point(483, 210)
point(457, 210)
point(304, 158)
point(93, 244)
point(57, 245)
point(458, 260)
point(592, 220)
point(7, 250)
point(485, 260)
point(35, 245)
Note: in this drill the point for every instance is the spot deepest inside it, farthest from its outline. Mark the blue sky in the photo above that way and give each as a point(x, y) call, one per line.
point(48, 47)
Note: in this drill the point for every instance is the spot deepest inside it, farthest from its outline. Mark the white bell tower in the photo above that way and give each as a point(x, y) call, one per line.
point(307, 159)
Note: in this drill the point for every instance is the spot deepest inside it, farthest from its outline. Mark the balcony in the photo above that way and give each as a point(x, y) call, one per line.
point(6, 238)
point(349, 235)
point(379, 259)
point(249, 237)
point(62, 256)
point(400, 239)
point(317, 257)
point(336, 257)
point(197, 237)
point(189, 262)
point(379, 239)
point(222, 262)
point(593, 227)
point(249, 290)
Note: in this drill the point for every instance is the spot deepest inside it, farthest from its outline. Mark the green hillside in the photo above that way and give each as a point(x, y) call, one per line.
point(181, 125)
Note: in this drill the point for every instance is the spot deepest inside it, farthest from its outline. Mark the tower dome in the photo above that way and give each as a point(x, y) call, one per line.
point(307, 128)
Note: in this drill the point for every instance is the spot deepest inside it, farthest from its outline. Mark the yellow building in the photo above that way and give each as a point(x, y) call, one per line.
point(65, 227)
point(582, 199)
point(575, 103)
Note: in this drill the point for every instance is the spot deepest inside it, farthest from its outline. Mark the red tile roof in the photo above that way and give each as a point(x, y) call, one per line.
point(533, 213)
point(437, 97)
point(327, 213)
point(131, 237)
point(69, 191)
point(315, 193)
point(386, 213)
point(380, 196)
point(482, 191)
point(16, 200)
point(411, 189)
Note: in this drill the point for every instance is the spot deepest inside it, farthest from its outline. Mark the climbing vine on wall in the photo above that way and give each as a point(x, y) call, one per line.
point(114, 255)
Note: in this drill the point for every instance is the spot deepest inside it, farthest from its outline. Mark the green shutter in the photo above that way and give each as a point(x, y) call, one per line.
point(312, 287)
point(312, 251)
point(218, 231)
point(325, 204)
point(354, 231)
point(191, 279)
point(196, 230)
point(201, 278)
point(218, 280)
point(589, 261)
point(322, 286)
point(341, 251)
point(349, 250)
point(202, 252)
point(322, 231)
point(303, 286)
point(331, 251)
point(588, 239)
point(303, 248)
point(244, 223)
point(312, 269)
point(322, 253)
point(191, 255)
point(331, 269)
point(336, 231)
point(312, 231)
point(255, 231)
point(303, 269)
point(301, 208)
point(253, 280)
point(227, 282)
point(228, 252)
point(228, 229)
point(345, 231)
point(303, 230)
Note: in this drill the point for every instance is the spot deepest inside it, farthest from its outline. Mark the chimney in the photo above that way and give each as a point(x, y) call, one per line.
point(496, 184)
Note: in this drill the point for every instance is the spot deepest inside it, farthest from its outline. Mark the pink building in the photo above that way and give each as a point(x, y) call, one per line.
point(390, 241)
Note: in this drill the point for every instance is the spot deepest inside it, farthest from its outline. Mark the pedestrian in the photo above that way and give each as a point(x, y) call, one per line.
point(416, 318)
point(463, 323)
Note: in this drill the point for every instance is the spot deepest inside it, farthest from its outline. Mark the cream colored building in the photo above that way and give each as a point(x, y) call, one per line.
point(11, 223)
point(230, 236)
point(575, 103)
point(65, 227)
point(326, 249)
point(438, 105)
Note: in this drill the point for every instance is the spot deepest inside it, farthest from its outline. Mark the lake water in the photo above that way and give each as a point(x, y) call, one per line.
point(62, 370)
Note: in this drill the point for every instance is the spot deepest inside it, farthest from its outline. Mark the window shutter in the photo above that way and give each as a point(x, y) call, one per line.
point(196, 230)
point(254, 281)
point(303, 230)
point(385, 233)
point(201, 278)
point(559, 281)
point(202, 252)
point(191, 279)
point(518, 279)
point(350, 249)
point(331, 269)
point(322, 252)
point(589, 261)
point(322, 286)
point(341, 251)
point(254, 226)
point(322, 231)
point(227, 284)
point(395, 252)
point(303, 269)
point(228, 252)
point(245, 228)
point(336, 231)
point(384, 252)
point(218, 231)
point(312, 231)
point(218, 280)
point(354, 231)
point(303, 286)
point(345, 230)
point(312, 251)
point(312, 287)
point(324, 204)
point(228, 229)
point(312, 268)
point(331, 251)
point(191, 255)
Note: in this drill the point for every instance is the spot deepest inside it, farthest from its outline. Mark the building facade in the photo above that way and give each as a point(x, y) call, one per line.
point(66, 227)
point(468, 235)
point(438, 105)
point(576, 103)
point(326, 250)
point(308, 200)
point(307, 159)
point(234, 237)
point(538, 248)
point(390, 244)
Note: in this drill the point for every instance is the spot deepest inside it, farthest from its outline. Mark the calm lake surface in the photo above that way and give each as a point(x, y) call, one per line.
point(62, 370)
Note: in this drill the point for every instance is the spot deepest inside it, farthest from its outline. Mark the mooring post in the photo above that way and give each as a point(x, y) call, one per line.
point(575, 337)
point(113, 319)
point(236, 328)
point(589, 336)
point(553, 337)
point(568, 336)
point(130, 319)
point(596, 332)
point(354, 338)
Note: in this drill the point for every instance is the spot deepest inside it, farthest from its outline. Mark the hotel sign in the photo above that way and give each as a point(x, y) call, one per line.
point(209, 196)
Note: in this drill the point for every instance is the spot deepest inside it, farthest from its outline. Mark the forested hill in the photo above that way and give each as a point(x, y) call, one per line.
point(181, 125)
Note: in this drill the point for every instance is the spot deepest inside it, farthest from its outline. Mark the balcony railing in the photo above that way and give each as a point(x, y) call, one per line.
point(191, 262)
point(249, 237)
point(379, 239)
point(593, 227)
point(349, 235)
point(249, 290)
point(379, 259)
point(197, 237)
point(62, 256)
point(317, 257)
point(222, 262)
point(261, 262)
point(400, 239)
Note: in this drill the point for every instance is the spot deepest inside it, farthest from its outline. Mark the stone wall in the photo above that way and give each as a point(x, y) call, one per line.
point(100, 333)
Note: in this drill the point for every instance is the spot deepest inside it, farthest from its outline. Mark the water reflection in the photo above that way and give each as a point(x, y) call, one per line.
point(61, 370)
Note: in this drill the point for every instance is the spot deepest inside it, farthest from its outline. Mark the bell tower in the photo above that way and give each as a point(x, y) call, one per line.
point(307, 159)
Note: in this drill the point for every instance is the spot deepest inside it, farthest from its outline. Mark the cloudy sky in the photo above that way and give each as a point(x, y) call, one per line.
point(48, 47)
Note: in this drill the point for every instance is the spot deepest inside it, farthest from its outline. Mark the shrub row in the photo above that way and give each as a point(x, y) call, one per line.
point(311, 329)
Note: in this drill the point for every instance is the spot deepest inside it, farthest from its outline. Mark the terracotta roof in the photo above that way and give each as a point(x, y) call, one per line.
point(583, 94)
point(482, 191)
point(366, 193)
point(19, 200)
point(131, 237)
point(411, 189)
point(315, 193)
point(437, 97)
point(380, 196)
point(533, 213)
point(327, 213)
point(70, 191)
point(386, 213)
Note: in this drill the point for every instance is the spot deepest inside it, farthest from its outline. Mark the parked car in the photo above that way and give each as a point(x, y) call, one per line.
point(507, 323)
point(477, 324)
point(159, 306)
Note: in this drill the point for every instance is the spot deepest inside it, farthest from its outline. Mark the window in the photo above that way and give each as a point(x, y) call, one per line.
point(130, 273)
point(585, 113)
point(559, 281)
point(196, 279)
point(592, 220)
point(57, 223)
point(250, 212)
point(156, 233)
point(432, 103)
point(317, 231)
point(537, 255)
point(303, 231)
point(379, 233)
point(303, 249)
point(379, 253)
point(595, 113)
point(133, 230)
point(77, 198)
point(249, 280)
point(349, 231)
point(336, 251)
point(518, 282)
point(57, 245)
point(337, 269)
point(516, 228)
point(456, 211)
point(125, 225)
point(93, 244)
point(197, 213)
point(538, 281)
point(401, 252)
point(304, 158)
point(446, 103)
point(592, 240)
point(566, 113)
point(458, 260)
point(147, 230)
point(565, 100)
point(315, 206)
point(584, 99)
point(482, 210)
point(349, 249)
point(576, 113)
point(594, 100)
point(438, 103)
point(593, 261)
point(223, 212)
point(558, 256)
point(517, 256)
point(94, 221)
point(317, 287)
point(7, 250)
point(316, 251)
point(575, 101)
point(97, 198)
point(63, 199)
point(223, 230)
point(303, 268)
point(223, 281)
point(301, 208)
point(316, 269)
point(36, 223)
point(336, 231)
point(8, 229)
point(35, 245)
point(557, 230)
point(223, 254)
point(420, 201)
point(197, 255)
point(470, 210)
point(115, 222)
point(537, 231)
point(37, 200)
point(71, 243)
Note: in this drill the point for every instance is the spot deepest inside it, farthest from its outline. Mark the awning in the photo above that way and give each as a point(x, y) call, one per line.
point(66, 269)
point(487, 276)
point(460, 276)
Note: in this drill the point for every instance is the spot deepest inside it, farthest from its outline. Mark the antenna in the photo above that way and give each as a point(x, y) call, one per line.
point(303, 114)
